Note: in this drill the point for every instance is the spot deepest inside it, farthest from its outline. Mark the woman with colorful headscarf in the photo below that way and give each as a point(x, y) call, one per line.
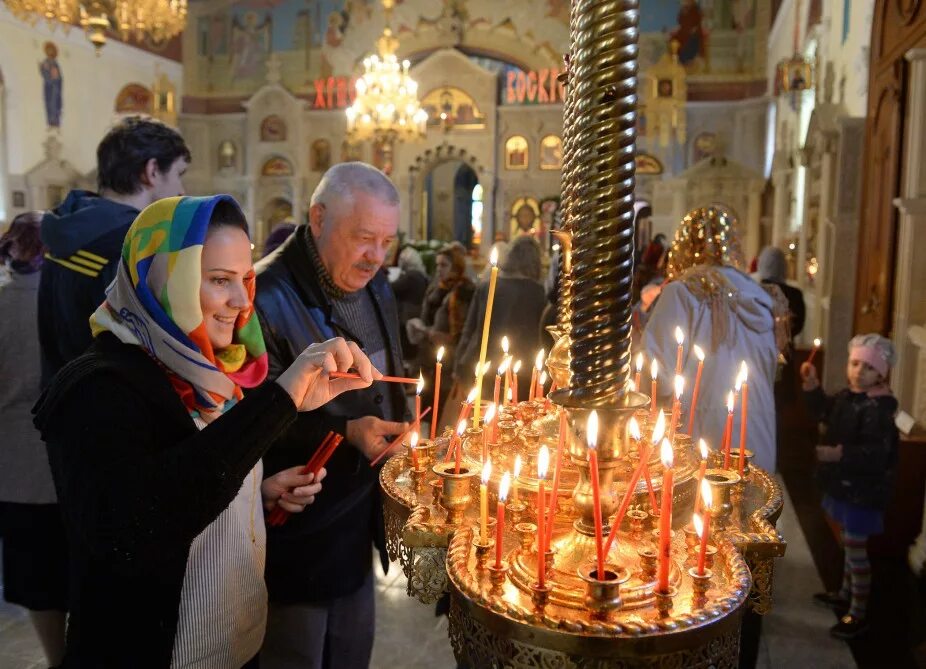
point(156, 453)
point(730, 317)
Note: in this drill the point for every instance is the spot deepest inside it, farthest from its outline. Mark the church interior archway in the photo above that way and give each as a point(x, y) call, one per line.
point(452, 203)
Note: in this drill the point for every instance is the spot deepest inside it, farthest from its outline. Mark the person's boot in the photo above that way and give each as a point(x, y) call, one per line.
point(832, 600)
point(849, 627)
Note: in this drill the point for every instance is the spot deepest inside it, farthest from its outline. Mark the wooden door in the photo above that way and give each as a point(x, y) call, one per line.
point(899, 25)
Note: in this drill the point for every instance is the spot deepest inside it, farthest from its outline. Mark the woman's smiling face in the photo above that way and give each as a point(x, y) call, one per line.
point(226, 275)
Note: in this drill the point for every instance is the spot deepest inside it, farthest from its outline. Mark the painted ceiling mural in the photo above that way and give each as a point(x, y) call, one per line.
point(316, 39)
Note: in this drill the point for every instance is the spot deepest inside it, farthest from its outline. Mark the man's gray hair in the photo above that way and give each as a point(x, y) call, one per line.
point(342, 182)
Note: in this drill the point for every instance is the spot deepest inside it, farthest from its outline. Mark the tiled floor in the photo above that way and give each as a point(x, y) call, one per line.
point(408, 635)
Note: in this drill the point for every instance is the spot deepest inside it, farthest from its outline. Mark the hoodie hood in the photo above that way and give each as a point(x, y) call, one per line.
point(753, 305)
point(82, 219)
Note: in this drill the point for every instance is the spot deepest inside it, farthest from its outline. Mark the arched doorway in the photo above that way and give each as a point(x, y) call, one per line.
point(453, 206)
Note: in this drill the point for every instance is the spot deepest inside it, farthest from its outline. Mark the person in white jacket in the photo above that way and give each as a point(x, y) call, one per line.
point(731, 318)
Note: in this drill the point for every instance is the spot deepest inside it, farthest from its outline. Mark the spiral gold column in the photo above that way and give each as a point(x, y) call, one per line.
point(602, 81)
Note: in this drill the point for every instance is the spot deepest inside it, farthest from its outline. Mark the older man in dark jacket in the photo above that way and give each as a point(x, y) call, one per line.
point(326, 281)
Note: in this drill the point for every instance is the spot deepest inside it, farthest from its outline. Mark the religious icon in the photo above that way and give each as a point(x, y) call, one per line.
point(320, 159)
point(228, 155)
point(273, 129)
point(277, 167)
point(516, 153)
point(690, 33)
point(703, 146)
point(664, 88)
point(250, 43)
point(51, 88)
point(351, 152)
point(551, 153)
point(525, 216)
point(133, 99)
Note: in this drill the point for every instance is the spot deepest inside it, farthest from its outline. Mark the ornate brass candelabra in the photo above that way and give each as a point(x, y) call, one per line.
point(501, 613)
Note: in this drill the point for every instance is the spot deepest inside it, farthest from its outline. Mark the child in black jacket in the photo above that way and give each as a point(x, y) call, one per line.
point(857, 456)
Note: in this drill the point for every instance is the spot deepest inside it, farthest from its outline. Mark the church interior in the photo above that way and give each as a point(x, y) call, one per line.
point(803, 120)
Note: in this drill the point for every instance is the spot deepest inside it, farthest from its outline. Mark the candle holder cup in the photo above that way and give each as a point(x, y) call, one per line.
point(603, 594)
point(722, 482)
point(456, 492)
point(735, 459)
point(648, 561)
point(636, 519)
point(483, 550)
point(665, 600)
point(497, 575)
point(526, 533)
point(515, 510)
point(699, 586)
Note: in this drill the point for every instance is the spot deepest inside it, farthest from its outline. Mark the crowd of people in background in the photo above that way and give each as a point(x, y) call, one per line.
point(178, 388)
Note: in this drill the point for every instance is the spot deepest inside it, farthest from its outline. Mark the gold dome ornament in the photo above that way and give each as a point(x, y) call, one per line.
point(706, 236)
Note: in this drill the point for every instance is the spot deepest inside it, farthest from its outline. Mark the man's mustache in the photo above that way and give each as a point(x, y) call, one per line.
point(367, 266)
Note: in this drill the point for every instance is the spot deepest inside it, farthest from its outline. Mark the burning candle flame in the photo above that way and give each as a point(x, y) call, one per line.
point(679, 386)
point(440, 354)
point(486, 471)
point(639, 362)
point(505, 344)
point(538, 361)
point(703, 446)
point(461, 427)
point(493, 257)
point(744, 371)
point(489, 414)
point(517, 367)
point(503, 487)
point(591, 430)
point(730, 402)
point(816, 342)
point(502, 368)
point(679, 336)
point(420, 385)
point(699, 353)
point(413, 441)
point(654, 369)
point(543, 462)
point(666, 454)
point(633, 427)
point(517, 466)
point(631, 386)
point(707, 497)
point(698, 525)
point(509, 394)
point(659, 430)
point(542, 380)
point(472, 396)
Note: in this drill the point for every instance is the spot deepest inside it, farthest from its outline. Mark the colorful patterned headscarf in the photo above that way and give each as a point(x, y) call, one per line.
point(154, 303)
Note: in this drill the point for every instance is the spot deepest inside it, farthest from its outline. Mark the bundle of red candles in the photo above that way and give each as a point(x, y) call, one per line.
point(318, 460)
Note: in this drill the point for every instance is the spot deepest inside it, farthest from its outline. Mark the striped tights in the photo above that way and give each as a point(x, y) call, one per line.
point(856, 575)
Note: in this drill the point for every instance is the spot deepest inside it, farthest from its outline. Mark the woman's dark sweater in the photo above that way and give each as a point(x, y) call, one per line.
point(137, 483)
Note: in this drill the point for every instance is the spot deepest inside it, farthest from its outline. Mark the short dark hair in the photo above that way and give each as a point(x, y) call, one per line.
point(129, 145)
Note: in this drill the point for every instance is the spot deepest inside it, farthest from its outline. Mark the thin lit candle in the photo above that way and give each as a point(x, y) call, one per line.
point(487, 436)
point(413, 449)
point(541, 382)
point(654, 388)
point(554, 491)
point(702, 468)
point(639, 365)
point(591, 435)
point(514, 379)
point(514, 480)
point(665, 518)
point(704, 527)
point(538, 365)
point(418, 390)
point(500, 518)
point(435, 405)
point(461, 428)
point(493, 278)
point(697, 387)
point(728, 431)
point(498, 382)
point(484, 502)
point(744, 416)
point(543, 462)
point(680, 340)
point(507, 362)
point(816, 347)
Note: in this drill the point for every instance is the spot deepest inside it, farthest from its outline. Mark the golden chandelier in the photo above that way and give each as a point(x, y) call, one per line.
point(386, 108)
point(154, 20)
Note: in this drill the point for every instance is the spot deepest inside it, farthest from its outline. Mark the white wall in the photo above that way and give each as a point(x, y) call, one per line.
point(90, 86)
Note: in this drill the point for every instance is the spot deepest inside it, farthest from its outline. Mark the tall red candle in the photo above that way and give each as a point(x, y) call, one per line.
point(813, 351)
point(744, 418)
point(697, 387)
point(654, 389)
point(500, 518)
point(418, 390)
point(554, 491)
point(435, 405)
point(705, 530)
point(543, 462)
point(676, 405)
point(498, 385)
point(591, 434)
point(665, 519)
point(461, 428)
point(728, 431)
point(413, 447)
point(702, 446)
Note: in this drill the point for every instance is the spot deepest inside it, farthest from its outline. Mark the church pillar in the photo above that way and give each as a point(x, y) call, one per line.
point(909, 380)
point(781, 180)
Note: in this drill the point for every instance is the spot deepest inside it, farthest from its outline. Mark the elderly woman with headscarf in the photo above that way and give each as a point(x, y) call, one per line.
point(516, 313)
point(773, 271)
point(730, 317)
point(156, 453)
